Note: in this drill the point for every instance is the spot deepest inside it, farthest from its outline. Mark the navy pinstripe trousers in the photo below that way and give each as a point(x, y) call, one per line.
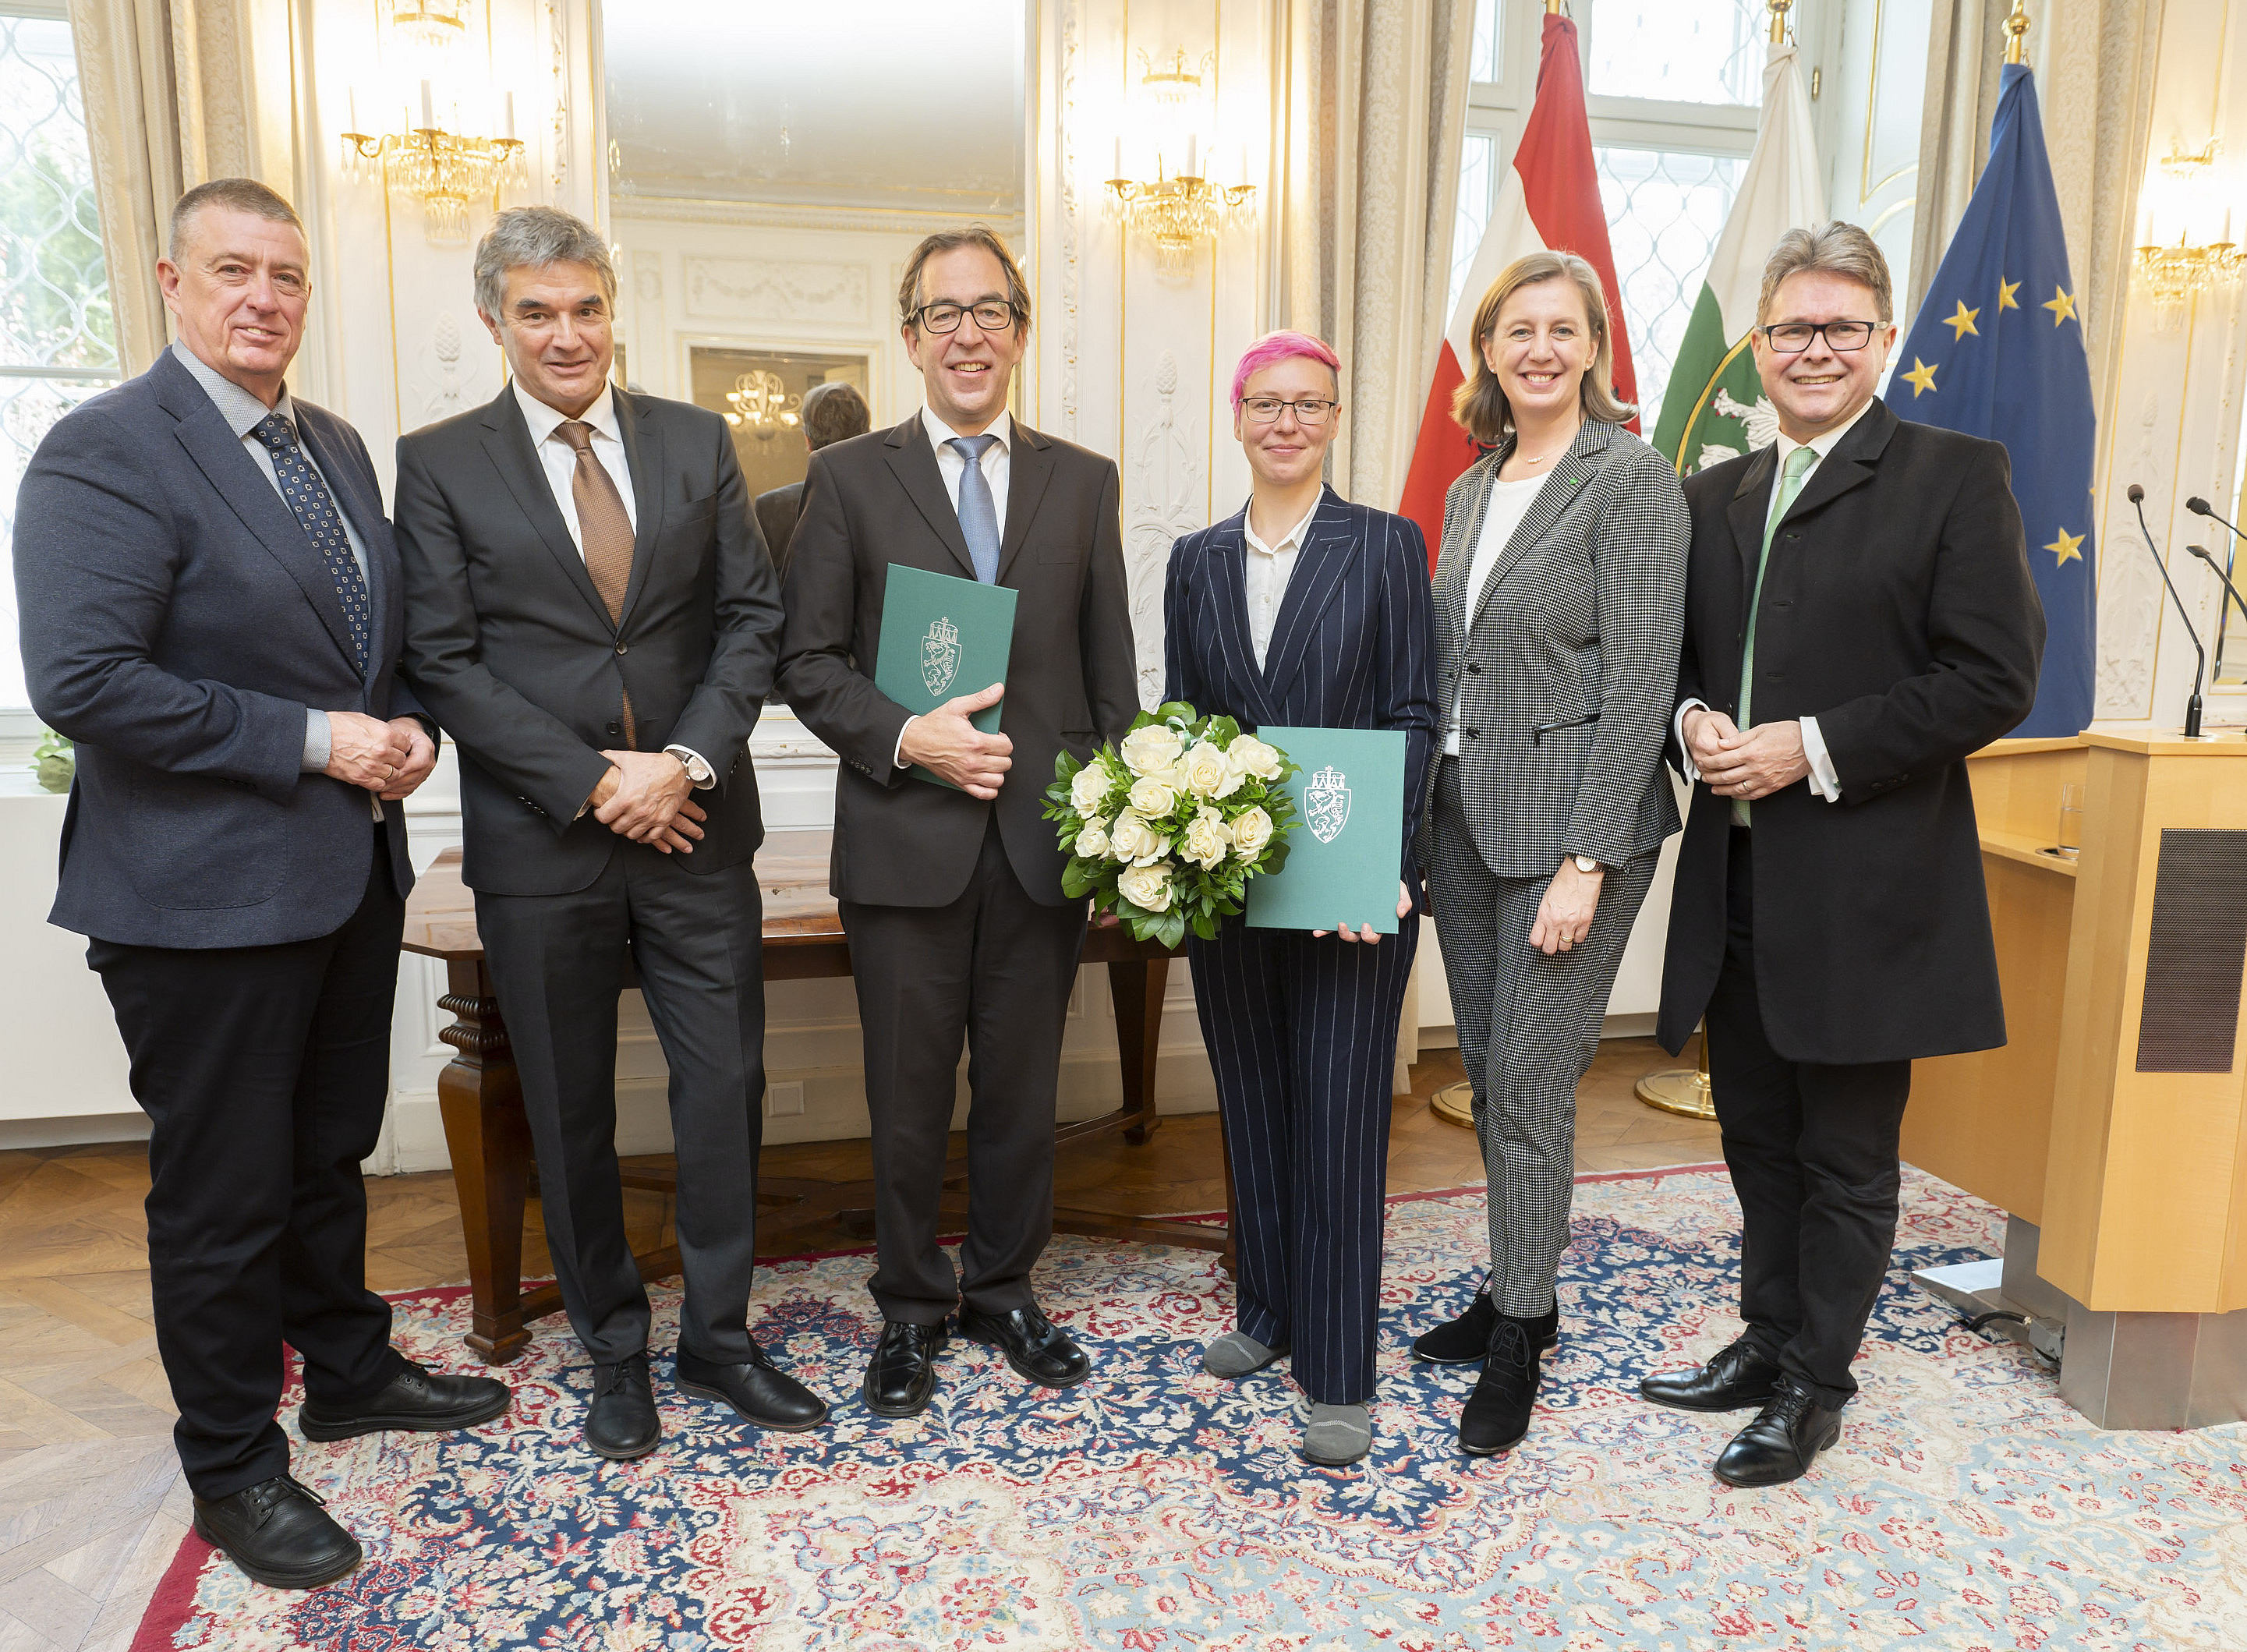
point(1301, 1035)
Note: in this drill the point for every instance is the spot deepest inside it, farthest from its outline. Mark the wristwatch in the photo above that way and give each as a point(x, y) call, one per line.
point(1586, 864)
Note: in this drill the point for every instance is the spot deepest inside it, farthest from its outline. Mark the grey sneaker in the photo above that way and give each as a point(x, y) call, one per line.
point(1238, 1353)
point(1338, 1434)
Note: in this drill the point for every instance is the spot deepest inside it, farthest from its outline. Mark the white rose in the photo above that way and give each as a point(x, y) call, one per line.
point(1206, 773)
point(1252, 831)
point(1131, 839)
point(1153, 798)
point(1249, 756)
point(1208, 839)
point(1151, 750)
point(1147, 887)
point(1088, 787)
point(1092, 841)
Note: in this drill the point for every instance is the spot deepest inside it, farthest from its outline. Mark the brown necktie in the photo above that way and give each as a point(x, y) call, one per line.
point(605, 530)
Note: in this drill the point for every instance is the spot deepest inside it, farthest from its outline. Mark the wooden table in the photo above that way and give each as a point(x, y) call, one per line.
point(481, 1095)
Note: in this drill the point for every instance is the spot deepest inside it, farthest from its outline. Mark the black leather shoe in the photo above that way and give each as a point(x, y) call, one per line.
point(1034, 1345)
point(280, 1533)
point(1779, 1446)
point(621, 1423)
point(1738, 1376)
point(766, 1395)
point(1466, 1339)
point(1497, 1413)
point(901, 1377)
point(423, 1402)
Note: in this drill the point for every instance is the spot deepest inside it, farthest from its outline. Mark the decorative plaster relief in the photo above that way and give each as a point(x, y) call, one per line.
point(2130, 592)
point(1072, 36)
point(647, 277)
point(446, 374)
point(763, 290)
point(1167, 493)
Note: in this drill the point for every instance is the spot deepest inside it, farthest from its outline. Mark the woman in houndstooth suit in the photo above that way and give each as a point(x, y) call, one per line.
point(1560, 603)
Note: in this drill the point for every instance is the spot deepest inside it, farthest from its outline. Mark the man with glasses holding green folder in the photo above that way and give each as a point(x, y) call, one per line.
point(949, 877)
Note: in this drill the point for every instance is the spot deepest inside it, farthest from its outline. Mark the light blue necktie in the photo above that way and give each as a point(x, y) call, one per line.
point(1790, 484)
point(979, 516)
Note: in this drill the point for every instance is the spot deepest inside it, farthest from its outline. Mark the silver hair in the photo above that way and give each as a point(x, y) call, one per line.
point(532, 238)
point(1838, 248)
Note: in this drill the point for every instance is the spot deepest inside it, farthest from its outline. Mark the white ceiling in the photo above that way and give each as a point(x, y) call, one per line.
point(891, 105)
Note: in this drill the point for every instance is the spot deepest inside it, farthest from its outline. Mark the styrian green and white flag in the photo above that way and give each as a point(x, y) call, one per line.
point(1713, 408)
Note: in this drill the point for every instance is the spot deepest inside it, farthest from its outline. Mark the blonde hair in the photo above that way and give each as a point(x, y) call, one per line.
point(1835, 249)
point(1480, 404)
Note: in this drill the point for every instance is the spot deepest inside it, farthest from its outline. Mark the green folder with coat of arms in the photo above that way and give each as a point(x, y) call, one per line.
point(943, 637)
point(1347, 850)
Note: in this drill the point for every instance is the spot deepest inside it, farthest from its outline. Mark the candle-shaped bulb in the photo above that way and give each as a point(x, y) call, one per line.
point(1193, 155)
point(509, 131)
point(1118, 171)
point(350, 109)
point(428, 108)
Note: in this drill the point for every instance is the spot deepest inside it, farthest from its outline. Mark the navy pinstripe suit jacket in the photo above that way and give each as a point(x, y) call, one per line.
point(1353, 647)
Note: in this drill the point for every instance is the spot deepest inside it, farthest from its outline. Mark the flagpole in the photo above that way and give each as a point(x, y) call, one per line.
point(2017, 33)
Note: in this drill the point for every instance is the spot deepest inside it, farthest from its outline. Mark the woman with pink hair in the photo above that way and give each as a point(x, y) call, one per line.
point(1303, 609)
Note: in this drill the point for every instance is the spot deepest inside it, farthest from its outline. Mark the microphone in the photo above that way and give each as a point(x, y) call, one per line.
point(2199, 507)
point(2137, 497)
point(2200, 551)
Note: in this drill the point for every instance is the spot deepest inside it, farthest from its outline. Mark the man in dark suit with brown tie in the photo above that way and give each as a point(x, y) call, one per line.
point(832, 412)
point(591, 615)
point(952, 898)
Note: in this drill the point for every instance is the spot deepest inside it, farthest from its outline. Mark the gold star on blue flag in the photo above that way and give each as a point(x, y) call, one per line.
point(2021, 379)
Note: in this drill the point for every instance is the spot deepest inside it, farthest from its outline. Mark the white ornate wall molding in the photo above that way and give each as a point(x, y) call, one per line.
point(2171, 416)
point(771, 289)
point(771, 216)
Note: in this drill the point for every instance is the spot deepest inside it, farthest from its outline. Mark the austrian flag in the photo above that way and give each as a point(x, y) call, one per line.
point(1548, 200)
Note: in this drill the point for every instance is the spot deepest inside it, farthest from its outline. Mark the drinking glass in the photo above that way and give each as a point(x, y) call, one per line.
point(2071, 819)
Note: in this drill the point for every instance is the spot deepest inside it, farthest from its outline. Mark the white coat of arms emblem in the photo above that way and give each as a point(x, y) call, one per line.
point(939, 654)
point(1326, 803)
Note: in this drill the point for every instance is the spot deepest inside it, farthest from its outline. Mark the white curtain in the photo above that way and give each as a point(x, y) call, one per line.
point(2095, 71)
point(1376, 112)
point(166, 84)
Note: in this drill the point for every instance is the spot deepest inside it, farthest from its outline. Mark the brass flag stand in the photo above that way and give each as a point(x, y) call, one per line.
point(1682, 1090)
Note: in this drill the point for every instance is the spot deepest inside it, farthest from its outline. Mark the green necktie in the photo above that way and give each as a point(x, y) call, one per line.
point(1798, 465)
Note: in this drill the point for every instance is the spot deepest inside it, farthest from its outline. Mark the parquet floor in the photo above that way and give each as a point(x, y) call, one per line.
point(92, 1506)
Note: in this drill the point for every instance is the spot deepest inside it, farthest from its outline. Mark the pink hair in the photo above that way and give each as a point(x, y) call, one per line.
point(1277, 347)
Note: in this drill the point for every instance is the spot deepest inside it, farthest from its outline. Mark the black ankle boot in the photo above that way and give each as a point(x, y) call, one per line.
point(1497, 1413)
point(1464, 1341)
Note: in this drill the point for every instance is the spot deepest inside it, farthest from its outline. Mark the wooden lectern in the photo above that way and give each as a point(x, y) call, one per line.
point(2112, 1128)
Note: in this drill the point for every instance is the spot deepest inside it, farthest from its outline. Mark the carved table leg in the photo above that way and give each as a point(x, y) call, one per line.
point(1136, 986)
point(480, 1098)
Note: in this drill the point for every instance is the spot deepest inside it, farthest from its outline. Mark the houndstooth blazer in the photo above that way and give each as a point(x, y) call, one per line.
point(1570, 658)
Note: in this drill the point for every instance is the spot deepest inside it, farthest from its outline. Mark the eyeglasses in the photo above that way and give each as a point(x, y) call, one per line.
point(1311, 410)
point(1793, 338)
point(990, 317)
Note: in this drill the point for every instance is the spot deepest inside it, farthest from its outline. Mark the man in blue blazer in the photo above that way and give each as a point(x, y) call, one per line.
point(211, 611)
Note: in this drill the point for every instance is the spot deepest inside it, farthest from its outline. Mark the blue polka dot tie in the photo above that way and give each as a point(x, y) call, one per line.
point(315, 510)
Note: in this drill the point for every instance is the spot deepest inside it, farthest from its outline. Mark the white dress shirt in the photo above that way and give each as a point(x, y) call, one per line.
point(1509, 503)
point(951, 464)
point(1267, 570)
point(559, 460)
point(243, 413)
point(1823, 778)
point(998, 468)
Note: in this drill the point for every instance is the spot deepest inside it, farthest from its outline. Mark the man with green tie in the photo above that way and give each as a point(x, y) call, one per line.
point(1859, 617)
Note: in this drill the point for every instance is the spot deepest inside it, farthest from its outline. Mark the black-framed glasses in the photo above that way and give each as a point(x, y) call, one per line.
point(1309, 410)
point(1793, 338)
point(991, 316)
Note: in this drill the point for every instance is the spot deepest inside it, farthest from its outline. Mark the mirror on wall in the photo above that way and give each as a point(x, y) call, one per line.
point(759, 393)
point(770, 168)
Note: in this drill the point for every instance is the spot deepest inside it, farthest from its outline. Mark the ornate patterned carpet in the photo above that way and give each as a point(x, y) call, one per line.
point(1158, 1510)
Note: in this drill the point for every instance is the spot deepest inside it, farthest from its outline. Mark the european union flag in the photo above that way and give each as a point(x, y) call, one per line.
point(1997, 351)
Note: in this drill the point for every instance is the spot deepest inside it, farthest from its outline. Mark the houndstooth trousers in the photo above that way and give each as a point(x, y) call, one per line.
point(1529, 1026)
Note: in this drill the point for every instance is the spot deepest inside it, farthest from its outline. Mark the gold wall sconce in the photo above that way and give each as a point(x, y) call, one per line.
point(1183, 205)
point(2187, 247)
point(445, 171)
point(761, 405)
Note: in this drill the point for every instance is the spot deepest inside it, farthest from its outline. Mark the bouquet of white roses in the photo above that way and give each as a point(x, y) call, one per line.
point(1166, 828)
